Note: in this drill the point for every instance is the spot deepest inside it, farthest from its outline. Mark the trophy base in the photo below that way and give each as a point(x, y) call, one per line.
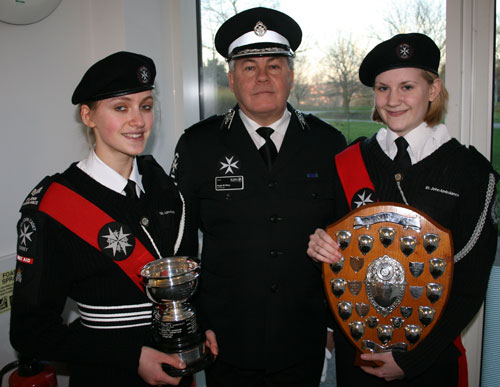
point(191, 368)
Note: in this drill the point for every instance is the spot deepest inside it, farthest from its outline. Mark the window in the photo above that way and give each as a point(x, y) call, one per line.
point(326, 66)
point(495, 145)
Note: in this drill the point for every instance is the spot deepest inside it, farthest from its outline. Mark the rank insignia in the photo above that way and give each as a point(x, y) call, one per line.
point(229, 165)
point(116, 241)
point(362, 197)
point(26, 235)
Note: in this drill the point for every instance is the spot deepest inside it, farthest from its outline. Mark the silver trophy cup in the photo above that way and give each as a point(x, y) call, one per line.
point(169, 283)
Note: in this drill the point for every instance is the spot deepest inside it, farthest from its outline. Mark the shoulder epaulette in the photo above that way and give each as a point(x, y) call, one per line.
point(481, 161)
point(35, 196)
point(207, 121)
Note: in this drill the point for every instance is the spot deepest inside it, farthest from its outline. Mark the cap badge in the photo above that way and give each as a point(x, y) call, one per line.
point(260, 29)
point(144, 74)
point(405, 51)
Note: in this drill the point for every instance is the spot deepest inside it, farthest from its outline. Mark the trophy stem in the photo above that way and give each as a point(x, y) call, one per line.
point(169, 282)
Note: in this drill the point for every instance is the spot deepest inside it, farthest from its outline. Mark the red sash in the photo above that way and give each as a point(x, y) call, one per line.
point(85, 219)
point(352, 172)
point(353, 177)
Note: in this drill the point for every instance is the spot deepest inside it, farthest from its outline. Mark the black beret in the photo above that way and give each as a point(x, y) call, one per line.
point(118, 74)
point(403, 50)
point(258, 32)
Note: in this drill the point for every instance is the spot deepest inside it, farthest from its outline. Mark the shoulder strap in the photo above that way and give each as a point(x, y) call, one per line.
point(352, 172)
point(86, 220)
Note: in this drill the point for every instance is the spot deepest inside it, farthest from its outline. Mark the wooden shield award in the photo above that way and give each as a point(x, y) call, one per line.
point(393, 282)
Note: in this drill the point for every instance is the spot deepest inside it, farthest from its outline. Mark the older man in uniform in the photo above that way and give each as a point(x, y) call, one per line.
point(257, 181)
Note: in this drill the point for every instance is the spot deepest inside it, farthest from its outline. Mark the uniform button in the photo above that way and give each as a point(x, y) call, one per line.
point(228, 196)
point(145, 221)
point(272, 184)
point(274, 288)
point(275, 218)
point(314, 195)
point(275, 253)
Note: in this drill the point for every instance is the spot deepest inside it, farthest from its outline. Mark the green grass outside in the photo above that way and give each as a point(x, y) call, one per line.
point(355, 129)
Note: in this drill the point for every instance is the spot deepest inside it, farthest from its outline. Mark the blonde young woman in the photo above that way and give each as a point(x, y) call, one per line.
point(413, 160)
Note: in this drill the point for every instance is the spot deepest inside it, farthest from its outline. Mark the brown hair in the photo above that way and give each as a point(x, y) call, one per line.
point(437, 108)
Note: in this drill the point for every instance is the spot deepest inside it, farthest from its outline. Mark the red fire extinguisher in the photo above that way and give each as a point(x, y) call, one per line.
point(30, 373)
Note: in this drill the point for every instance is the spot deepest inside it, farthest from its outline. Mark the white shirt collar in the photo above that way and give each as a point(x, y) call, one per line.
point(423, 140)
point(280, 126)
point(107, 176)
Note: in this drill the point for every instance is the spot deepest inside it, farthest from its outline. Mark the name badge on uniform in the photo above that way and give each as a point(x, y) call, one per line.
point(229, 183)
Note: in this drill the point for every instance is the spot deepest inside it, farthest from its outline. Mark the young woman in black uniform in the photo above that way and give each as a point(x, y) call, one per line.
point(85, 234)
point(434, 173)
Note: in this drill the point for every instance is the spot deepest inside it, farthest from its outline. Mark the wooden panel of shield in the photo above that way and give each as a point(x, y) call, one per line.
point(393, 282)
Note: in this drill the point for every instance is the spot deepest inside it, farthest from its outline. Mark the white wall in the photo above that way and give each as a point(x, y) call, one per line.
point(40, 65)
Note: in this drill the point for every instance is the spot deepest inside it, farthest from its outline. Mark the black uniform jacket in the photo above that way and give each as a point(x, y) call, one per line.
point(104, 344)
point(259, 291)
point(455, 186)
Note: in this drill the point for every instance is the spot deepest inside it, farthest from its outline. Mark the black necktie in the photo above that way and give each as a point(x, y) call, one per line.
point(268, 150)
point(402, 158)
point(130, 190)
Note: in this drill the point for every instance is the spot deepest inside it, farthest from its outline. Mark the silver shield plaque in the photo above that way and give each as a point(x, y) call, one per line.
point(431, 242)
point(385, 284)
point(343, 238)
point(391, 285)
point(338, 286)
point(365, 243)
point(357, 329)
point(386, 235)
point(416, 268)
point(437, 267)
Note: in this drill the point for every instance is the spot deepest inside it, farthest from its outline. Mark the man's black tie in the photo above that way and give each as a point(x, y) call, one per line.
point(130, 190)
point(402, 158)
point(268, 150)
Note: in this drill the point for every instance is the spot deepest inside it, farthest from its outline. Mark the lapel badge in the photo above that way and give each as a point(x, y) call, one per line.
point(302, 120)
point(229, 164)
point(228, 119)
